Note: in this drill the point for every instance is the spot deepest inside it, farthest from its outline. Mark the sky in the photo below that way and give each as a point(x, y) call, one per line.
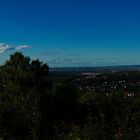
point(71, 33)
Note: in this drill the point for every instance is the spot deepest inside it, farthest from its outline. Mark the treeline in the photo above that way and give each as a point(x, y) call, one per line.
point(35, 107)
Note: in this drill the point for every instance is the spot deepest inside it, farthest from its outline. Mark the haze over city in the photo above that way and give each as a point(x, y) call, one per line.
point(71, 33)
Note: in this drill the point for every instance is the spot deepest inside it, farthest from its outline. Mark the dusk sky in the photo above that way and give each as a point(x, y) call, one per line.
point(66, 33)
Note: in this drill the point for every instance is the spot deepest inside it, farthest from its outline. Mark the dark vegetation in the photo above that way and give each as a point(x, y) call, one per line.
point(35, 105)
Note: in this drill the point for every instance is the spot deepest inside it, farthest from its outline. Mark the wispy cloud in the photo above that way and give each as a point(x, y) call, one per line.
point(5, 47)
point(60, 61)
point(54, 51)
point(21, 47)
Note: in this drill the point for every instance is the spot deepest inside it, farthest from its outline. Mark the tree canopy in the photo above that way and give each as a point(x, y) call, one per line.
point(24, 84)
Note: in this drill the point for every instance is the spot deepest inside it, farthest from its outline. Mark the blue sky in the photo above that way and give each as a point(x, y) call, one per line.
point(72, 32)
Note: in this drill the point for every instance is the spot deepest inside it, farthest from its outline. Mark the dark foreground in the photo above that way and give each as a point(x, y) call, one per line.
point(36, 104)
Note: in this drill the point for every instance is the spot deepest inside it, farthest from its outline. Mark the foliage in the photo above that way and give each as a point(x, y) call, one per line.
point(32, 108)
point(23, 85)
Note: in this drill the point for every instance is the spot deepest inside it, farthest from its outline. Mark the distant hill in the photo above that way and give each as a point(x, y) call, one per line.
point(95, 69)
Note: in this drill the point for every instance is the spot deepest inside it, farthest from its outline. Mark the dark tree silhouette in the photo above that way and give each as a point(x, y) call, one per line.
point(24, 87)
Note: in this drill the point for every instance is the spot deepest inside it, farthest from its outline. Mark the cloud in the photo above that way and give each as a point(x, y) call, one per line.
point(54, 51)
point(60, 61)
point(21, 47)
point(5, 47)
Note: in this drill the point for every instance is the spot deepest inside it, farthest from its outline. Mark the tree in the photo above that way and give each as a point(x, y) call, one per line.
point(24, 86)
